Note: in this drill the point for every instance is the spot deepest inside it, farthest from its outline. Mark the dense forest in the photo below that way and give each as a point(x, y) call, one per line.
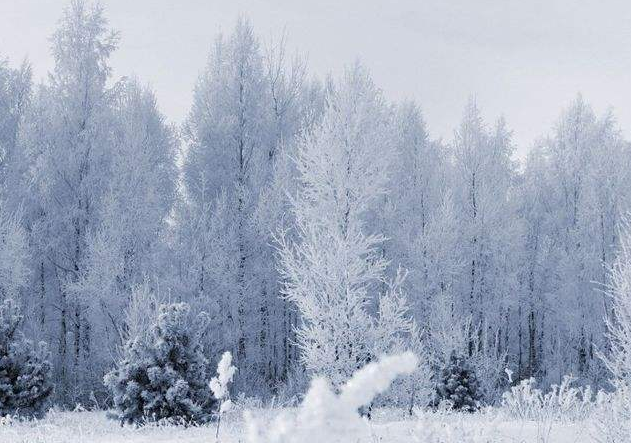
point(315, 223)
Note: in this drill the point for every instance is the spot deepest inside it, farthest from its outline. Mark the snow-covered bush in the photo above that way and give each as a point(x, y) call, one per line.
point(219, 385)
point(574, 403)
point(164, 374)
point(611, 418)
point(324, 416)
point(458, 385)
point(563, 402)
point(523, 401)
point(25, 369)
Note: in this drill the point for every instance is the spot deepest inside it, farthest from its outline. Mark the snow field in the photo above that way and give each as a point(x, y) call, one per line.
point(387, 426)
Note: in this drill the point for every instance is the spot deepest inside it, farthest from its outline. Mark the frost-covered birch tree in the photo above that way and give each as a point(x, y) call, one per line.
point(618, 358)
point(230, 136)
point(15, 86)
point(333, 271)
point(66, 142)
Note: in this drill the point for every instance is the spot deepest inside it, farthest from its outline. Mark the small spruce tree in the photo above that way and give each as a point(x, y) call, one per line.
point(25, 369)
point(458, 385)
point(164, 374)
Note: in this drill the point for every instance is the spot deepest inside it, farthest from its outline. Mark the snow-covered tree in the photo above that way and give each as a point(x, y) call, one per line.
point(618, 359)
point(482, 179)
point(14, 254)
point(164, 374)
point(418, 182)
point(248, 106)
point(15, 87)
point(458, 386)
point(576, 186)
point(15, 93)
point(333, 270)
point(25, 369)
point(124, 251)
point(65, 146)
point(229, 132)
point(95, 182)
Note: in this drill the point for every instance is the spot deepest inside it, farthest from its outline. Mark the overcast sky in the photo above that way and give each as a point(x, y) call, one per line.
point(525, 59)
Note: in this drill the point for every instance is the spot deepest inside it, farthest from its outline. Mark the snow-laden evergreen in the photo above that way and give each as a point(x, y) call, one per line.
point(457, 386)
point(164, 374)
point(25, 368)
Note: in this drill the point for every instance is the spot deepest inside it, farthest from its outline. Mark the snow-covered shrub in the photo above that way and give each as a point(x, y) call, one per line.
point(219, 386)
point(611, 418)
point(458, 385)
point(25, 369)
point(573, 403)
point(164, 374)
point(324, 416)
point(563, 402)
point(523, 401)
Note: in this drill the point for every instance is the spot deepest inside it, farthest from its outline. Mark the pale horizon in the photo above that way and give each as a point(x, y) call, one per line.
point(526, 62)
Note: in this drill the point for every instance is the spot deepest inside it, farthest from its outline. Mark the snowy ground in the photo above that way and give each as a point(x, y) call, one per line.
point(387, 427)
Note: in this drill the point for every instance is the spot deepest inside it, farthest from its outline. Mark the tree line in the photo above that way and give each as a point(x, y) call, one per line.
point(315, 222)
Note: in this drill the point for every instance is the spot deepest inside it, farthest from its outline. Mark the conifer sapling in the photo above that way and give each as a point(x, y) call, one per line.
point(25, 370)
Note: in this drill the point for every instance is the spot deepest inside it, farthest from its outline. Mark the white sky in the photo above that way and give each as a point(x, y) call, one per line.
point(525, 59)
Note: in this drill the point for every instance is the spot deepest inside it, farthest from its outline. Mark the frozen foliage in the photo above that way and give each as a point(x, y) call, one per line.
point(612, 417)
point(25, 369)
point(225, 373)
point(332, 265)
point(13, 254)
point(219, 386)
point(248, 106)
point(507, 256)
point(164, 375)
point(618, 359)
point(561, 403)
point(523, 401)
point(457, 386)
point(326, 416)
point(611, 420)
